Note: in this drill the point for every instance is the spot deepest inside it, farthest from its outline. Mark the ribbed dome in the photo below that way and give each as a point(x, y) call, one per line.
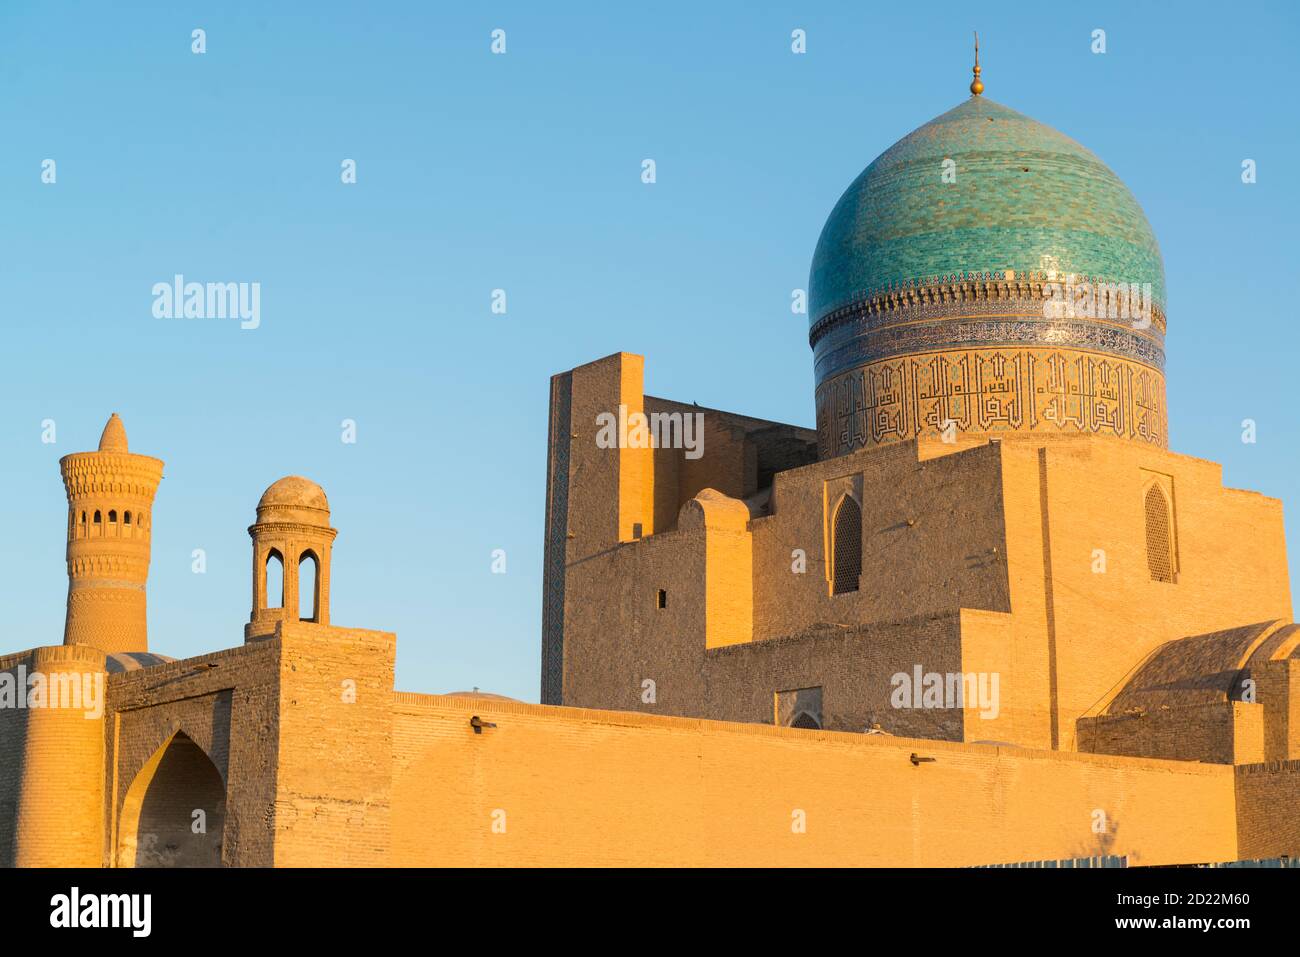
point(1026, 198)
point(294, 492)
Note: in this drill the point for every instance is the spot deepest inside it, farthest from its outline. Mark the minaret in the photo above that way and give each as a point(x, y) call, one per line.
point(110, 501)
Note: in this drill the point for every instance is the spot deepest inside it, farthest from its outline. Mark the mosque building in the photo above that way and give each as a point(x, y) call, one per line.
point(979, 615)
point(988, 492)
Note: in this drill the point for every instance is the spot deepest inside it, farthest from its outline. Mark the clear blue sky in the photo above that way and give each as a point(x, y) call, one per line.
point(522, 172)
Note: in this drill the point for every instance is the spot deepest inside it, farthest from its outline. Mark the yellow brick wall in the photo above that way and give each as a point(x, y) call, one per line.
point(315, 779)
point(994, 643)
point(597, 475)
point(1278, 690)
point(636, 471)
point(576, 787)
point(226, 702)
point(1231, 555)
point(611, 600)
point(334, 772)
point(1005, 533)
point(933, 533)
point(1227, 732)
point(1267, 795)
point(728, 566)
point(51, 777)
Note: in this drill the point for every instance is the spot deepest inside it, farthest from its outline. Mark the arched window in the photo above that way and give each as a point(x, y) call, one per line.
point(126, 518)
point(163, 803)
point(112, 516)
point(806, 720)
point(308, 586)
point(1160, 539)
point(274, 572)
point(81, 529)
point(846, 546)
point(98, 519)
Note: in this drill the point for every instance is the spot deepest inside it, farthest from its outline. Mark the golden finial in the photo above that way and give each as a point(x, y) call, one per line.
point(977, 85)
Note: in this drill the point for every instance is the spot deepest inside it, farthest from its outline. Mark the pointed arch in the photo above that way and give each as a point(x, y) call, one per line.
point(273, 579)
point(309, 586)
point(174, 812)
point(805, 719)
point(846, 546)
point(1159, 534)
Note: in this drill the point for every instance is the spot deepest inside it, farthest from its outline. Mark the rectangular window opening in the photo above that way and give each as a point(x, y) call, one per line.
point(800, 708)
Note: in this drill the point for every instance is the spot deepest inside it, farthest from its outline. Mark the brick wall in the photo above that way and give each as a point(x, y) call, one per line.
point(227, 703)
point(1039, 541)
point(334, 773)
point(554, 787)
point(1267, 795)
point(50, 797)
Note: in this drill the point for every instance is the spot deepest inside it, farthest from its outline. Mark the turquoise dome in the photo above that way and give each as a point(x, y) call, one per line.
point(1026, 198)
